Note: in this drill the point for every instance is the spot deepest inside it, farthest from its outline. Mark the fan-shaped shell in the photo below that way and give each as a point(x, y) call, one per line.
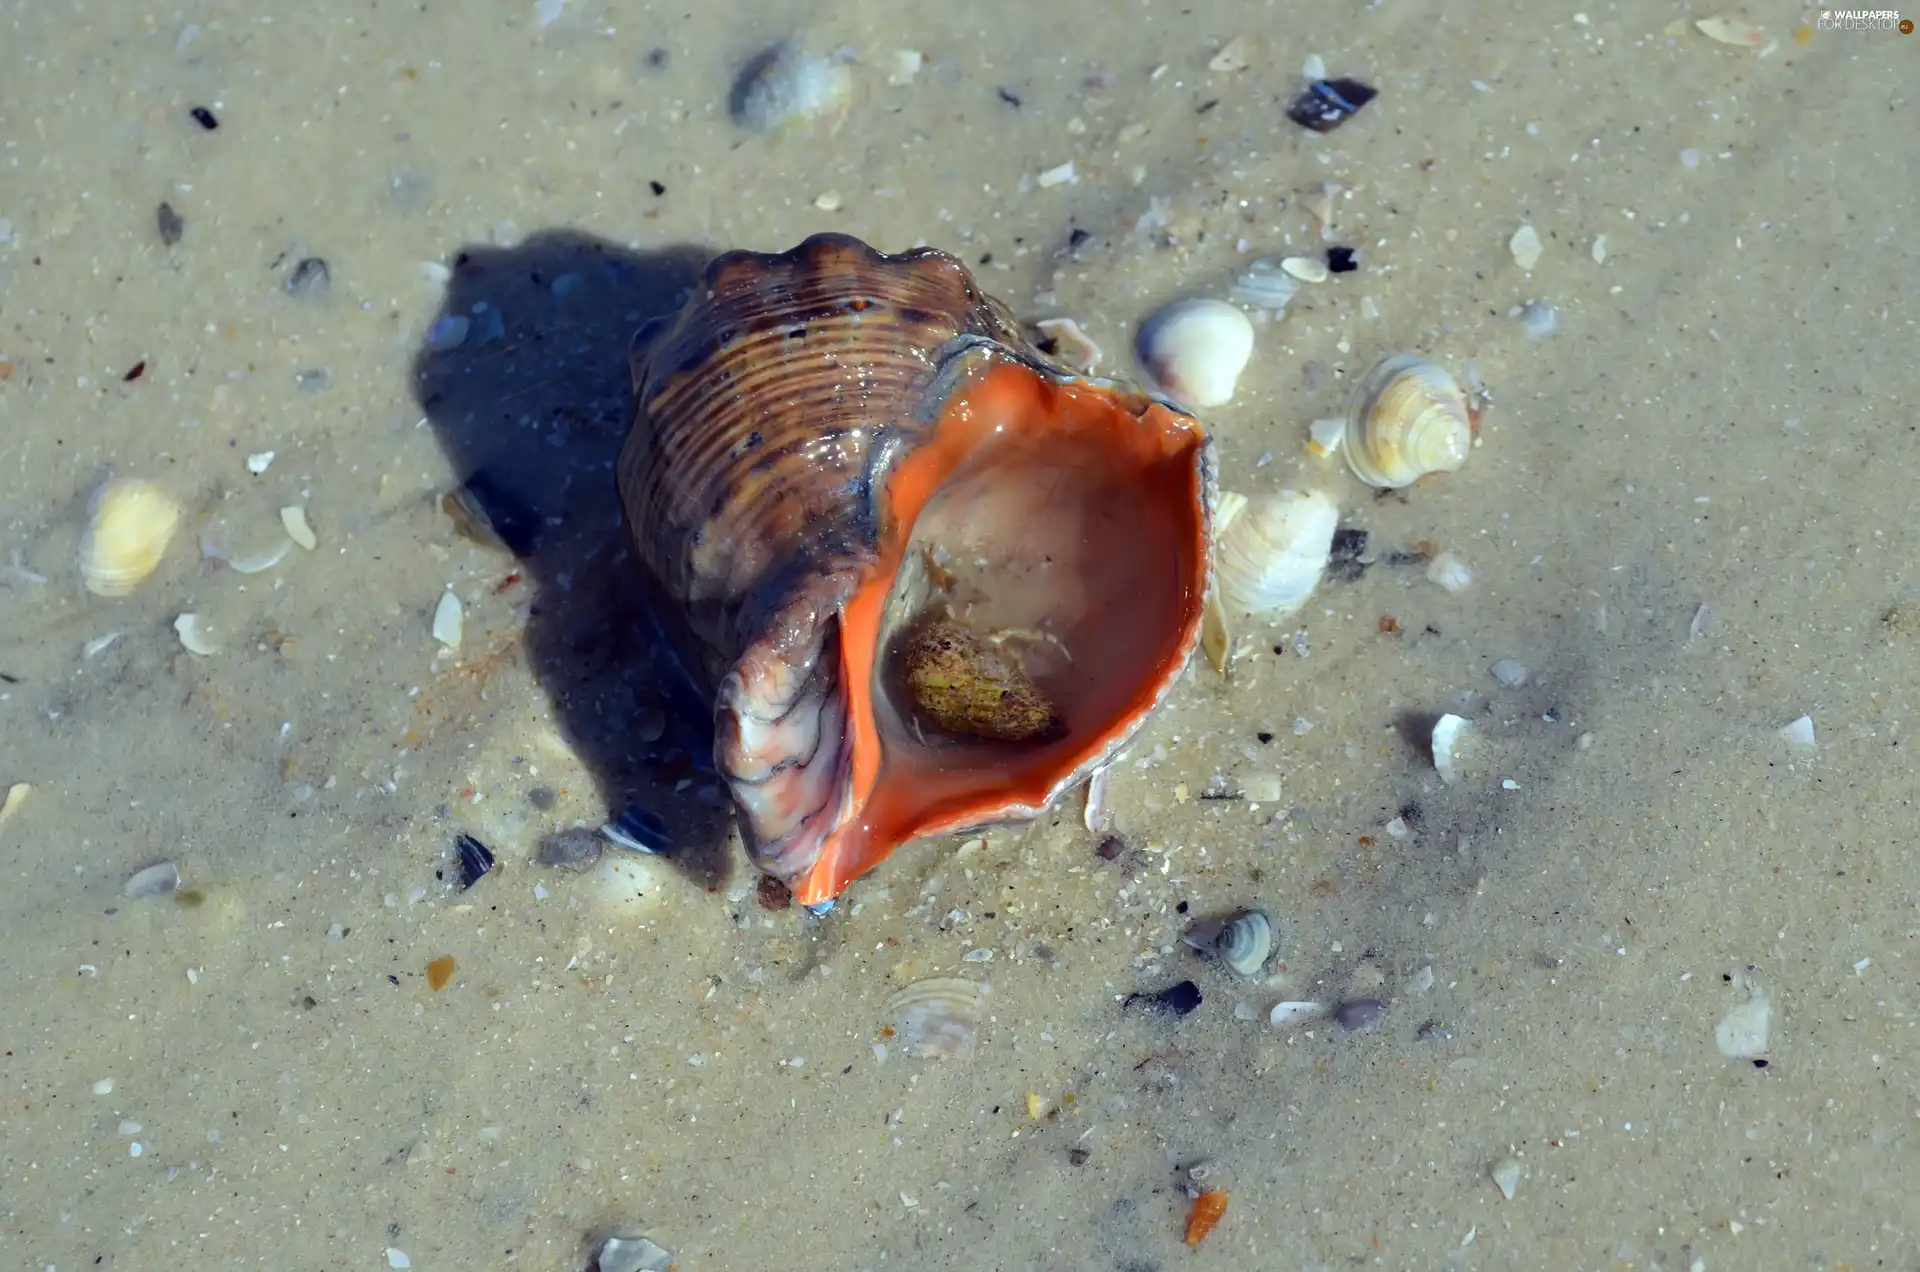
point(131, 525)
point(1270, 550)
point(1408, 418)
point(936, 1017)
point(831, 445)
point(1245, 942)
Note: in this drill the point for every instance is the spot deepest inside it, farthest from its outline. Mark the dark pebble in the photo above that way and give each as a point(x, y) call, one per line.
point(656, 58)
point(1078, 1156)
point(1326, 104)
point(310, 280)
point(170, 224)
point(577, 849)
point(1175, 1000)
point(476, 859)
point(772, 894)
point(1110, 848)
point(1361, 1013)
point(1342, 260)
point(541, 797)
point(204, 117)
point(1343, 562)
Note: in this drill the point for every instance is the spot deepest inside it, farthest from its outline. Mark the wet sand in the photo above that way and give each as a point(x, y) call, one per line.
point(1722, 418)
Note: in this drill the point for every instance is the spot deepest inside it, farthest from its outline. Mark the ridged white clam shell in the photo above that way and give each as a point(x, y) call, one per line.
point(132, 523)
point(1271, 550)
point(1245, 943)
point(936, 1017)
point(1408, 418)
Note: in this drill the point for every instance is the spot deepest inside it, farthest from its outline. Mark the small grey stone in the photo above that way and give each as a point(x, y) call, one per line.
point(577, 849)
point(1510, 672)
point(156, 880)
point(311, 280)
point(1361, 1013)
point(632, 1254)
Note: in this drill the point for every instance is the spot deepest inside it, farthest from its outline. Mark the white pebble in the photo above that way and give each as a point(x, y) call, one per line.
point(1743, 1032)
point(1690, 158)
point(1799, 736)
point(135, 1150)
point(1195, 350)
point(103, 1087)
point(1599, 249)
point(258, 461)
point(1293, 1013)
point(129, 1127)
point(1506, 1176)
point(1526, 246)
point(827, 201)
point(397, 1258)
point(904, 65)
point(1063, 174)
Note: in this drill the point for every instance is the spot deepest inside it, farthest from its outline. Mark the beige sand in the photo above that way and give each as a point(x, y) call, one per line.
point(1725, 416)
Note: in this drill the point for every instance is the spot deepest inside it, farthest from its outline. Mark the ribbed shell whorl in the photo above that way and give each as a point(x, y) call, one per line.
point(767, 412)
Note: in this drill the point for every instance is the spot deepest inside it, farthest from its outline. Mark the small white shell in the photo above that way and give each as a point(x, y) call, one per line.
point(1295, 1013)
point(936, 1017)
point(1408, 418)
point(1450, 573)
point(132, 523)
point(1245, 943)
point(1195, 350)
point(449, 620)
point(1271, 551)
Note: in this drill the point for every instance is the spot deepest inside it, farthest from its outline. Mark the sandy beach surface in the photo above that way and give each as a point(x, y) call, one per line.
point(1639, 992)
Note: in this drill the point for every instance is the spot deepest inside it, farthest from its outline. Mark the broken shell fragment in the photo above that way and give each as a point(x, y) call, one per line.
point(1453, 748)
point(1072, 345)
point(195, 636)
point(935, 1018)
point(131, 524)
point(1408, 418)
point(293, 518)
point(156, 880)
point(1450, 573)
point(1271, 550)
point(1265, 284)
point(1245, 942)
point(1195, 350)
point(449, 620)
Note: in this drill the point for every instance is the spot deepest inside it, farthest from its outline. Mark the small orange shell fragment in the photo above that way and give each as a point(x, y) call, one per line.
point(439, 972)
point(1206, 1212)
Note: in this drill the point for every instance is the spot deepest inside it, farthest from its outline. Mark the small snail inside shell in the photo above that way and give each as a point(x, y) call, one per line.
point(970, 684)
point(1408, 418)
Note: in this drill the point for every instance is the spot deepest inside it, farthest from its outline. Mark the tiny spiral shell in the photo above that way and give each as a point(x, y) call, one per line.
point(1271, 550)
point(1408, 418)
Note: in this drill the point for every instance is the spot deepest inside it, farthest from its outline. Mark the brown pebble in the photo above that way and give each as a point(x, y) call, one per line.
point(772, 894)
point(439, 972)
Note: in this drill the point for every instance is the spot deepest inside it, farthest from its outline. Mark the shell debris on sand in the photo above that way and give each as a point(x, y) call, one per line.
point(1194, 350)
point(131, 524)
point(1408, 418)
point(1245, 942)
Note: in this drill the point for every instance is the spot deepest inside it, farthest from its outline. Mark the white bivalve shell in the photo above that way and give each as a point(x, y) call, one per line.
point(1245, 943)
point(132, 522)
point(1195, 350)
point(1408, 418)
point(1270, 551)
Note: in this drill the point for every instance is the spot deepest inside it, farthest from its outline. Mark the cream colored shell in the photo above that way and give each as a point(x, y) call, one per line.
point(1408, 418)
point(132, 523)
point(1271, 550)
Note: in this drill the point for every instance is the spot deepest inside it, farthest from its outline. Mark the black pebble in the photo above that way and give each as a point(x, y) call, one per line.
point(656, 58)
point(1078, 1156)
point(1342, 260)
point(171, 224)
point(1175, 1000)
point(1344, 562)
point(1110, 848)
point(204, 117)
point(1324, 105)
point(310, 280)
point(541, 797)
point(1361, 1013)
point(475, 860)
point(1009, 97)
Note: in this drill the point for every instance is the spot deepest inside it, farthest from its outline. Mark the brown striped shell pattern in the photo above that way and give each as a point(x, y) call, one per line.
point(931, 580)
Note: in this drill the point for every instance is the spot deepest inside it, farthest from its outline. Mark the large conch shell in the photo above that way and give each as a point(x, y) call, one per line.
point(1408, 418)
point(834, 448)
